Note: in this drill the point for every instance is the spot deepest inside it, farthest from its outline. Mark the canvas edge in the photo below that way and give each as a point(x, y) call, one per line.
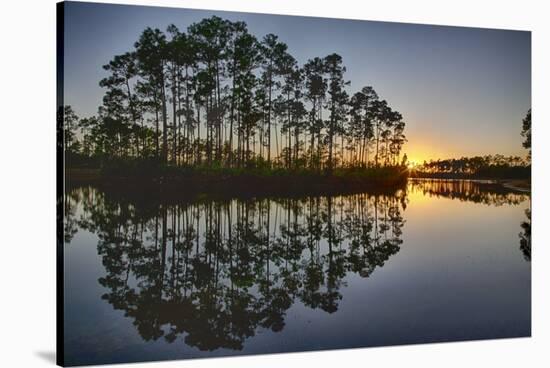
point(60, 183)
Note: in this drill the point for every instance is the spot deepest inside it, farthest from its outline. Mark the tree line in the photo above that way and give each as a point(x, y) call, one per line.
point(484, 166)
point(216, 96)
point(473, 165)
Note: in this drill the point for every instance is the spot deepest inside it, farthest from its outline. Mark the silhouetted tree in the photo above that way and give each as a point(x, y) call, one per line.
point(337, 101)
point(526, 131)
point(151, 64)
point(70, 126)
point(185, 97)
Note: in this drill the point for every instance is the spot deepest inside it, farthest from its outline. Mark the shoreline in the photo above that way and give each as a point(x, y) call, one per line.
point(515, 185)
point(518, 185)
point(245, 185)
point(217, 185)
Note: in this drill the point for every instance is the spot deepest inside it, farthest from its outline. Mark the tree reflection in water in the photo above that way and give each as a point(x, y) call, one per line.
point(525, 236)
point(215, 272)
point(486, 192)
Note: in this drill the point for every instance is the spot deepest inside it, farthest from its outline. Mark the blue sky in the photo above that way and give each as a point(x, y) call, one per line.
point(462, 91)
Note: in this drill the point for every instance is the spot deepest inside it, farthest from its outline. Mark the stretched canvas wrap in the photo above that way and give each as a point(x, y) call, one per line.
point(238, 183)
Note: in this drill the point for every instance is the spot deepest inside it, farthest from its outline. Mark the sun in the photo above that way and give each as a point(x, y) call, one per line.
point(411, 165)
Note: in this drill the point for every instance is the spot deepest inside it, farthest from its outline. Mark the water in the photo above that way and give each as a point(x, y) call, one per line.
point(435, 261)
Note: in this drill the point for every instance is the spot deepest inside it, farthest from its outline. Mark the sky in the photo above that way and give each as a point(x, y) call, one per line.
point(461, 91)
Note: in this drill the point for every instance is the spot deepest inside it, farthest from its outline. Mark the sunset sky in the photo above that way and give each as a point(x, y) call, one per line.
point(461, 91)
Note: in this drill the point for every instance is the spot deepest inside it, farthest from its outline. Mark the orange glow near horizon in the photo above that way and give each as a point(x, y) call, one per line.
point(422, 146)
point(420, 149)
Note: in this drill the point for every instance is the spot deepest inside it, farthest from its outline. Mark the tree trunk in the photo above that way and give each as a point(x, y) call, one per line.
point(174, 111)
point(269, 117)
point(164, 123)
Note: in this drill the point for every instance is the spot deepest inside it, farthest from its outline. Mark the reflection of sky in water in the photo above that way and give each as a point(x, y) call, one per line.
point(459, 274)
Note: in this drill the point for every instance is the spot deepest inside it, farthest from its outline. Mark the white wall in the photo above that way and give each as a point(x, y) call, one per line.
point(27, 184)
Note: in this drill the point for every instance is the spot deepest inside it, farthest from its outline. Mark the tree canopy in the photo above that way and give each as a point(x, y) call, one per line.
point(215, 95)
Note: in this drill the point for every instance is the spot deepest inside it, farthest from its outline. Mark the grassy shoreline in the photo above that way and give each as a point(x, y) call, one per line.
point(184, 183)
point(163, 183)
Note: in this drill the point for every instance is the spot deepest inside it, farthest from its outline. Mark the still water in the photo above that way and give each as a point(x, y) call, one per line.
point(435, 261)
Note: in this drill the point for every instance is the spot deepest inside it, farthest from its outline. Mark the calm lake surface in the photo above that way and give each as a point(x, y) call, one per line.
point(437, 261)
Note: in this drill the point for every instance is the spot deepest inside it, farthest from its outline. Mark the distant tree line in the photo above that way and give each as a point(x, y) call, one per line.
point(216, 96)
point(473, 165)
point(491, 166)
